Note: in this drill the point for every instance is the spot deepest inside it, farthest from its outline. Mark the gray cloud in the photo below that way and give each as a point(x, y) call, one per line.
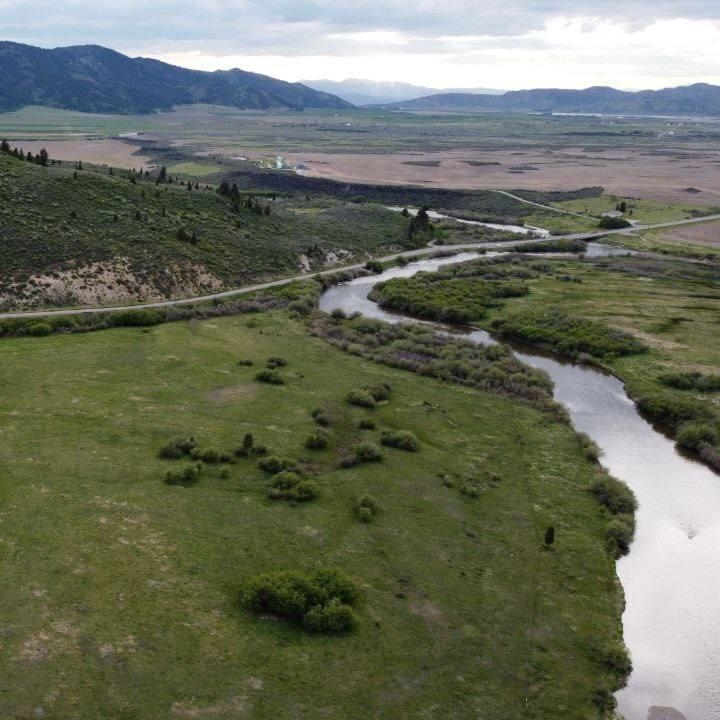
point(307, 27)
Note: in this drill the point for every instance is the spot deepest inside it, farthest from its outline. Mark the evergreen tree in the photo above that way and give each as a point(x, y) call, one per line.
point(550, 536)
point(5, 146)
point(43, 157)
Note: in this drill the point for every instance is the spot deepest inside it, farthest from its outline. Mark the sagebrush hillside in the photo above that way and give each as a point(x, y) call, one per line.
point(86, 237)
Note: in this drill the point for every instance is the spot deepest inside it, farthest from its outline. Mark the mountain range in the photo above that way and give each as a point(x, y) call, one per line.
point(372, 92)
point(90, 78)
point(698, 99)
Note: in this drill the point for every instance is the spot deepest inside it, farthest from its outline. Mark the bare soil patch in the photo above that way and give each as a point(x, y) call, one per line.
point(701, 234)
point(106, 151)
point(630, 173)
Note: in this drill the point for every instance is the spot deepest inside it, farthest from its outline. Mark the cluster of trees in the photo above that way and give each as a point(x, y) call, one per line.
point(232, 192)
point(42, 158)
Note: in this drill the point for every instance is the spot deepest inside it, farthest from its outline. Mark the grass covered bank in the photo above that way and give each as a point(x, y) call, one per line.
point(121, 592)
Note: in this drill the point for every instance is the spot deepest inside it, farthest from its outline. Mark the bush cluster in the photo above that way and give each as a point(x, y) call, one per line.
point(420, 349)
point(270, 376)
point(177, 449)
point(211, 456)
point(290, 485)
point(317, 440)
point(362, 452)
point(402, 439)
point(321, 417)
point(320, 601)
point(185, 477)
point(620, 501)
point(366, 508)
point(560, 333)
point(274, 464)
point(361, 398)
point(696, 381)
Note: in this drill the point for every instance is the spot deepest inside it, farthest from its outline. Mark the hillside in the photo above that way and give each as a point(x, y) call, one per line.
point(89, 238)
point(699, 99)
point(90, 78)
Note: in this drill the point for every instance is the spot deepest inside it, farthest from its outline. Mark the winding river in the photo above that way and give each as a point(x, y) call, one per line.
point(671, 577)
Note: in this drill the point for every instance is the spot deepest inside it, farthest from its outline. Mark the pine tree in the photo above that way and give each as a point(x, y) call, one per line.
point(5, 146)
point(43, 157)
point(550, 537)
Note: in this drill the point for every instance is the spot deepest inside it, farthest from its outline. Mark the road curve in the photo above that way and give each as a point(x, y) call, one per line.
point(308, 276)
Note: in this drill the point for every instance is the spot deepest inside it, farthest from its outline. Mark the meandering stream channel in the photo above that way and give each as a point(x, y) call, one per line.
point(671, 577)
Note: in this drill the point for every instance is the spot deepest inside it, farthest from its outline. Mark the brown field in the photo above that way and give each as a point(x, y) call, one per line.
point(702, 234)
point(630, 173)
point(117, 153)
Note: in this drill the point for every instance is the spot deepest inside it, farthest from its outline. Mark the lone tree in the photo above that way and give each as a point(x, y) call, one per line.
point(550, 537)
point(5, 146)
point(42, 157)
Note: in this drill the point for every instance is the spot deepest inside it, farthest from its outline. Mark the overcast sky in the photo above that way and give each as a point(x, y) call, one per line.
point(508, 44)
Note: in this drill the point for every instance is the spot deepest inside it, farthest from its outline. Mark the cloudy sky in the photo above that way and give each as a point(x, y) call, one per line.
point(506, 44)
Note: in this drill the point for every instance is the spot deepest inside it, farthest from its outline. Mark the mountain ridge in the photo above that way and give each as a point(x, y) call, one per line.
point(696, 99)
point(92, 78)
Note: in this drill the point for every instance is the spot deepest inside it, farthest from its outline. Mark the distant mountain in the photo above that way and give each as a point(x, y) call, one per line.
point(90, 78)
point(372, 92)
point(699, 99)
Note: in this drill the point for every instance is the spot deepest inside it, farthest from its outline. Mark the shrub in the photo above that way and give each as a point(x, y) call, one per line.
point(614, 223)
point(320, 601)
point(361, 398)
point(245, 363)
point(379, 391)
point(176, 449)
point(402, 439)
point(135, 318)
point(366, 507)
point(247, 448)
point(320, 417)
point(693, 435)
point(187, 476)
point(209, 455)
point(617, 497)
point(374, 266)
point(589, 447)
point(304, 491)
point(691, 381)
point(367, 424)
point(334, 618)
point(619, 534)
point(367, 452)
point(317, 440)
point(348, 461)
point(338, 314)
point(270, 376)
point(39, 329)
point(274, 464)
point(275, 362)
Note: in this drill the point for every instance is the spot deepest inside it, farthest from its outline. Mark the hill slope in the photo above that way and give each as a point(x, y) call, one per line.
point(90, 78)
point(699, 99)
point(93, 239)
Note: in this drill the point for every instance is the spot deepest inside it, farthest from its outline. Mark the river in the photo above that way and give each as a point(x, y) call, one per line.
point(671, 577)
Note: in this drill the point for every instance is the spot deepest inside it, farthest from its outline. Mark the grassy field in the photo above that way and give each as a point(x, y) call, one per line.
point(120, 592)
point(94, 238)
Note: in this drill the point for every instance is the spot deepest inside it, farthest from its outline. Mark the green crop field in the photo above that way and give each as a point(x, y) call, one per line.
point(120, 591)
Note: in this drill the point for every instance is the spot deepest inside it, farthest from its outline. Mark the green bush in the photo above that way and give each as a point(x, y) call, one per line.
point(374, 266)
point(366, 508)
point(211, 456)
point(367, 452)
point(275, 362)
point(317, 440)
point(245, 363)
point(320, 601)
point(692, 381)
point(367, 424)
point(177, 449)
point(274, 464)
point(619, 534)
point(617, 497)
point(187, 476)
point(402, 439)
point(135, 318)
point(693, 435)
point(589, 447)
point(269, 376)
point(378, 391)
point(361, 398)
point(289, 485)
point(40, 329)
point(320, 417)
point(334, 618)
